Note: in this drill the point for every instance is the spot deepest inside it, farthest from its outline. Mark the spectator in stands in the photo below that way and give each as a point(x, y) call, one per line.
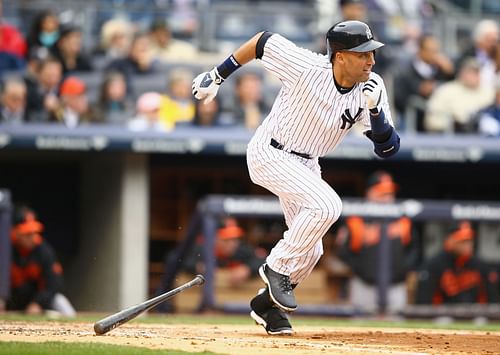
point(489, 118)
point(116, 37)
point(417, 79)
point(168, 49)
point(183, 17)
point(206, 114)
point(147, 117)
point(232, 253)
point(177, 105)
point(486, 37)
point(114, 105)
point(353, 10)
point(9, 62)
point(250, 107)
point(44, 31)
point(379, 254)
point(74, 108)
point(139, 60)
point(42, 81)
point(11, 39)
point(455, 275)
point(452, 105)
point(13, 101)
point(69, 50)
point(36, 275)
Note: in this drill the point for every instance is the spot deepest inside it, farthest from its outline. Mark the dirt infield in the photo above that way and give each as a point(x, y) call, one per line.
point(246, 339)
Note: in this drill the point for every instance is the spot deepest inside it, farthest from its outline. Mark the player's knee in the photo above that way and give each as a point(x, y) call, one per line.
point(331, 210)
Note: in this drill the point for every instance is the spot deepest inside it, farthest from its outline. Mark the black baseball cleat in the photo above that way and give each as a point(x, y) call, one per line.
point(265, 313)
point(280, 289)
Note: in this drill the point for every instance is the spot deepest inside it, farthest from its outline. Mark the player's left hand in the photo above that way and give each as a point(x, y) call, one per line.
point(206, 85)
point(373, 93)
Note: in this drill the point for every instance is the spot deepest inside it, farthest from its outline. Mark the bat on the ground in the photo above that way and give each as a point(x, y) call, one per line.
point(111, 322)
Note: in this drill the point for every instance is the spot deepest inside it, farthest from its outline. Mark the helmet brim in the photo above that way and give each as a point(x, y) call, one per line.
point(369, 46)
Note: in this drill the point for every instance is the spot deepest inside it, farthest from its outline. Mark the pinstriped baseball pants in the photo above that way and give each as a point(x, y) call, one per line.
point(309, 204)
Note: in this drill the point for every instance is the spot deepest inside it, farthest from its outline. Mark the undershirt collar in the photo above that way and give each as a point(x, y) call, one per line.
point(342, 89)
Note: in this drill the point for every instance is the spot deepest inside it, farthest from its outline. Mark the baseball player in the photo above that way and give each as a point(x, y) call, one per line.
point(321, 98)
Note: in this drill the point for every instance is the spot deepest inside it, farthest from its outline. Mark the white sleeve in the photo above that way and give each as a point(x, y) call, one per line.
point(285, 60)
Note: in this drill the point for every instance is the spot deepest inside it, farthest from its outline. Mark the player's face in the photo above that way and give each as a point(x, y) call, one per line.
point(359, 65)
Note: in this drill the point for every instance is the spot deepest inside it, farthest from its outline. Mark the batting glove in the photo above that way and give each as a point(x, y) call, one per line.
point(373, 93)
point(206, 85)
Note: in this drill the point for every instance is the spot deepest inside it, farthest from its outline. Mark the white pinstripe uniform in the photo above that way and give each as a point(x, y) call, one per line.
point(309, 116)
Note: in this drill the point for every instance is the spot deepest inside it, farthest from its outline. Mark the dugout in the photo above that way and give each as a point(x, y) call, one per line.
point(433, 216)
point(5, 223)
point(114, 202)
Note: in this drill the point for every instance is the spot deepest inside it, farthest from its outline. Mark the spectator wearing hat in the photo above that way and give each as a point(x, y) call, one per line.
point(116, 36)
point(379, 253)
point(69, 50)
point(148, 114)
point(168, 49)
point(455, 275)
point(74, 108)
point(36, 275)
point(489, 118)
point(452, 106)
point(232, 254)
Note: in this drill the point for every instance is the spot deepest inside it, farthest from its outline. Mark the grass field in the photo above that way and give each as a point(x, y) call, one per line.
point(229, 334)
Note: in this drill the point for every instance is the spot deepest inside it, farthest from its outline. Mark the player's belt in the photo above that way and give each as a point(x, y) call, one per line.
point(277, 145)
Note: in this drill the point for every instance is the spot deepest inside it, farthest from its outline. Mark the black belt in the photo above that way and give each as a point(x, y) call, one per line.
point(277, 145)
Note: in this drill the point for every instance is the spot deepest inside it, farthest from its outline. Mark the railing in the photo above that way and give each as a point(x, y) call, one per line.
point(213, 207)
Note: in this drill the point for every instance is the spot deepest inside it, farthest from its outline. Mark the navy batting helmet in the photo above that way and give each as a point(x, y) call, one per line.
point(353, 36)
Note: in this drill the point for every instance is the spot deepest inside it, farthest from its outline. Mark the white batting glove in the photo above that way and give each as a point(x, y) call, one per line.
point(373, 93)
point(206, 85)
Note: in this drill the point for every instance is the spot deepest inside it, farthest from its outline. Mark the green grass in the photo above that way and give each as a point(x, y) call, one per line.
point(59, 348)
point(223, 319)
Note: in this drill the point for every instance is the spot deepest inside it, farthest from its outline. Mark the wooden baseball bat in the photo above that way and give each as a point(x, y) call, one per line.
point(111, 322)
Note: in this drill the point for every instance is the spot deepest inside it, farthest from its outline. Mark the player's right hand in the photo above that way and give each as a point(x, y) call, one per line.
point(206, 85)
point(373, 93)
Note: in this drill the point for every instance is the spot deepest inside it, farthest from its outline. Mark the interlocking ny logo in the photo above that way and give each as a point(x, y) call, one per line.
point(348, 119)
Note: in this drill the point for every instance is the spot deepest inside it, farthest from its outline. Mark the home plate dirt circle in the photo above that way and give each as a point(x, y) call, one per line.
point(250, 339)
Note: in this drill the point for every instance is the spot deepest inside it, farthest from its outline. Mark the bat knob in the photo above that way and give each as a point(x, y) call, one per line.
point(201, 278)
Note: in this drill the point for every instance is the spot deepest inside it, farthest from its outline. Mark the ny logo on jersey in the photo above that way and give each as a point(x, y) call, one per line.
point(348, 119)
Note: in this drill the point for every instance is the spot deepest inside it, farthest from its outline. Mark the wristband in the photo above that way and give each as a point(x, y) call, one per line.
point(379, 123)
point(228, 67)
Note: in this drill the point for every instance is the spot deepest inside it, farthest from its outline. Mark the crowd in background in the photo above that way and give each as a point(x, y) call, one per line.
point(138, 74)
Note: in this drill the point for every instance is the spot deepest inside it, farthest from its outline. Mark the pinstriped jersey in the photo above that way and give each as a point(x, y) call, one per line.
point(309, 114)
